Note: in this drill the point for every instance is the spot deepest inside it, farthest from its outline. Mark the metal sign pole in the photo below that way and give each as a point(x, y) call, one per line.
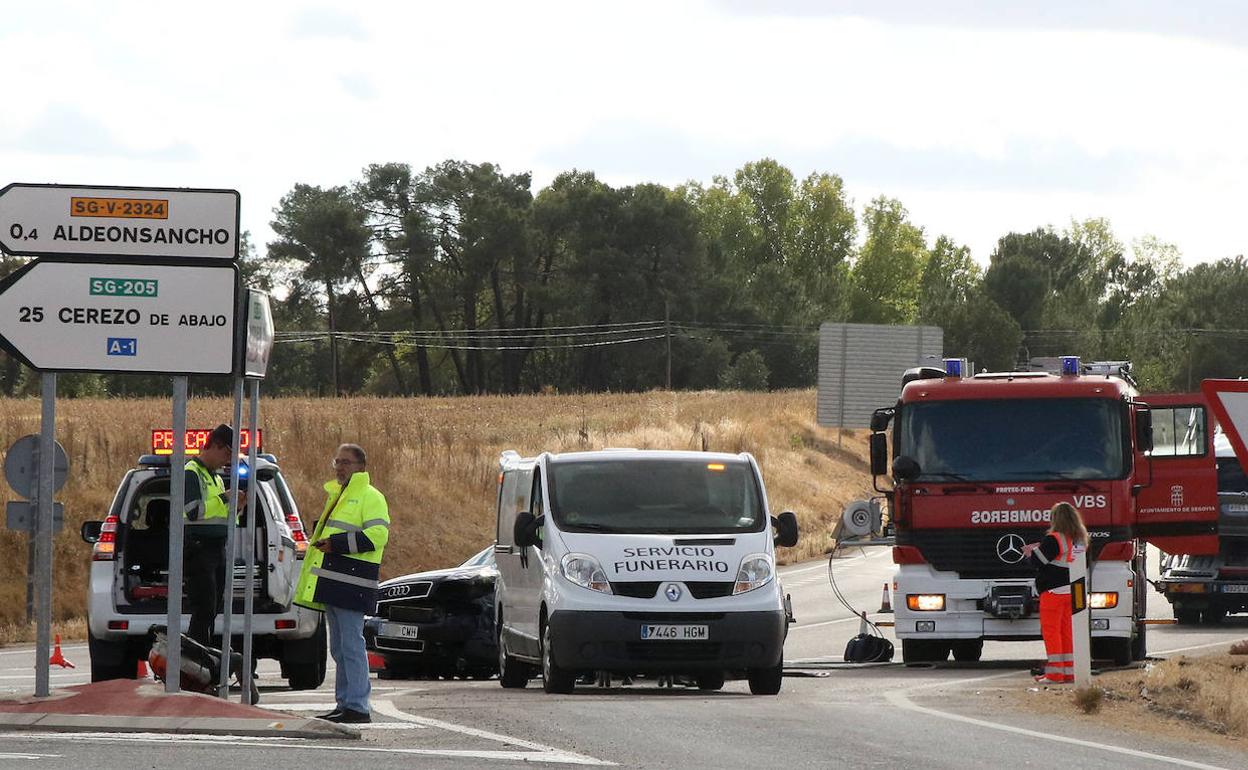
point(43, 534)
point(1079, 618)
point(253, 424)
point(227, 617)
point(177, 515)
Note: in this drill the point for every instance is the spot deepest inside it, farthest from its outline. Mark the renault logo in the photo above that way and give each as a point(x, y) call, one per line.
point(1010, 549)
point(673, 592)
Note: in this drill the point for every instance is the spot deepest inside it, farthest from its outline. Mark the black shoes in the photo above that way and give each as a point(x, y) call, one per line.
point(335, 713)
point(348, 717)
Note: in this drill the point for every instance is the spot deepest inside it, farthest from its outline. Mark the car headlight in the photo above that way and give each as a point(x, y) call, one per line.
point(586, 572)
point(755, 572)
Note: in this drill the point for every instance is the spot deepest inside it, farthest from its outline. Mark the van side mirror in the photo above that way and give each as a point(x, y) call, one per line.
point(880, 419)
point(526, 531)
point(91, 531)
point(786, 529)
point(1143, 430)
point(879, 454)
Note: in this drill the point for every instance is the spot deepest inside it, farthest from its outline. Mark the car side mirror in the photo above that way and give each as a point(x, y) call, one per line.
point(91, 531)
point(527, 530)
point(905, 468)
point(1144, 430)
point(786, 529)
point(879, 454)
point(266, 474)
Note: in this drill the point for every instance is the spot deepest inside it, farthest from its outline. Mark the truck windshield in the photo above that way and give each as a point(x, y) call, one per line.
point(1014, 440)
point(662, 497)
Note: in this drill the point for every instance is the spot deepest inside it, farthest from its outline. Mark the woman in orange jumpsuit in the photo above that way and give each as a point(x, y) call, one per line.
point(1052, 556)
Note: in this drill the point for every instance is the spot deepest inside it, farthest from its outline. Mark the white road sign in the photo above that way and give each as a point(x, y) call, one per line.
point(160, 319)
point(123, 222)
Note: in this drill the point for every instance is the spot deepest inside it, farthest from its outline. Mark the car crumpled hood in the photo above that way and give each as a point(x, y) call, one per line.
point(452, 573)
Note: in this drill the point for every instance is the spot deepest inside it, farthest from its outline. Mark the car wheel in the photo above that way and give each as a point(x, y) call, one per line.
point(766, 681)
point(305, 660)
point(111, 660)
point(512, 674)
point(711, 680)
point(554, 678)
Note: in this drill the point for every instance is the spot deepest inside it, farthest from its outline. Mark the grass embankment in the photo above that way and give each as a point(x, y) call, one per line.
point(436, 461)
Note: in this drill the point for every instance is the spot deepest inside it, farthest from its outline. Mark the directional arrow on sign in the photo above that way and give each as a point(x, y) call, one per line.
point(40, 220)
point(156, 319)
point(1229, 399)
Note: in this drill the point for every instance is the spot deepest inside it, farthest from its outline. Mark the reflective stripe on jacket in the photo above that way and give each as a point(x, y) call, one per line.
point(356, 522)
point(206, 515)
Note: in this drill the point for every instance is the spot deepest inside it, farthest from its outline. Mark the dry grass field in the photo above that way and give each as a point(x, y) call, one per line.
point(436, 461)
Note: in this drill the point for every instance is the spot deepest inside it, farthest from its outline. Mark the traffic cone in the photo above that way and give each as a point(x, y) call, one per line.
point(58, 659)
point(141, 669)
point(886, 604)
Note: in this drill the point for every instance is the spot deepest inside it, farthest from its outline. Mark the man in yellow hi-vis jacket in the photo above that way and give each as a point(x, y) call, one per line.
point(340, 575)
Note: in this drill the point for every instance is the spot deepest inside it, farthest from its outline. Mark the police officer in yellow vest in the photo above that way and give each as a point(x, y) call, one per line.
point(340, 576)
point(207, 518)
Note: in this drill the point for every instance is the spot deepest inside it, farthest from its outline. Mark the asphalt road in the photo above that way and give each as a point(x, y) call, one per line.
point(827, 715)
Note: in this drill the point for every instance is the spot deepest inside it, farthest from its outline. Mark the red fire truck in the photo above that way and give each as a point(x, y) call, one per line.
point(978, 461)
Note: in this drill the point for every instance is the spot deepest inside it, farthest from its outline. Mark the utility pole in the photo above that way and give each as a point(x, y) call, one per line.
point(667, 325)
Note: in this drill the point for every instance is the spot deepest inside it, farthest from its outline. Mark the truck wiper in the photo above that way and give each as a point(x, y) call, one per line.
point(1042, 476)
point(958, 477)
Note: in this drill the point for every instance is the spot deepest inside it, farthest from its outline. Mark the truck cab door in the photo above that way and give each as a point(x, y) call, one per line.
point(280, 564)
point(1176, 482)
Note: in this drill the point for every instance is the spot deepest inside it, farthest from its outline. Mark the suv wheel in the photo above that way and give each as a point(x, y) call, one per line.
point(304, 660)
point(111, 660)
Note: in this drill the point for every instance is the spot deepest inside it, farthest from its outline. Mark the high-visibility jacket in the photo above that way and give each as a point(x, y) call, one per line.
point(356, 522)
point(206, 512)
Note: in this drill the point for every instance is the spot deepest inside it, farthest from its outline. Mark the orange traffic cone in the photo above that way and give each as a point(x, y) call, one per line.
point(141, 671)
point(58, 659)
point(886, 604)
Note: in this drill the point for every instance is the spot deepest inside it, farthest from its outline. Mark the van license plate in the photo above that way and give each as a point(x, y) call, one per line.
point(398, 630)
point(685, 633)
point(1235, 589)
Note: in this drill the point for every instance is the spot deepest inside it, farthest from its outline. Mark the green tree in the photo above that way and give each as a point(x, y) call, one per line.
point(888, 269)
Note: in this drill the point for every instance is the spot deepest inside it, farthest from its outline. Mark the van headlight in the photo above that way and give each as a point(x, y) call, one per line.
point(586, 572)
point(755, 572)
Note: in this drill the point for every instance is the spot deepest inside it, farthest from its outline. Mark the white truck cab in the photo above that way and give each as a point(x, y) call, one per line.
point(639, 562)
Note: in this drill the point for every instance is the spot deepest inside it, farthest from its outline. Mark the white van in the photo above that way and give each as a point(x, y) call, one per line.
point(638, 562)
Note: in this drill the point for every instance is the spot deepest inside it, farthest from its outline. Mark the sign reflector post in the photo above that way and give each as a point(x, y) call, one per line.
point(1080, 621)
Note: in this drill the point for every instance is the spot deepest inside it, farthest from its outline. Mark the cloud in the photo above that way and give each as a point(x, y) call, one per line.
point(326, 22)
point(65, 130)
point(359, 85)
point(628, 150)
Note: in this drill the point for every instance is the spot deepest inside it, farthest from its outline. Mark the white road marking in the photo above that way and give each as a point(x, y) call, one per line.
point(6, 755)
point(1192, 647)
point(899, 699)
point(549, 756)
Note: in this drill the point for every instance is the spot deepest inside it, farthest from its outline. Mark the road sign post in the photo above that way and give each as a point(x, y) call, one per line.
point(177, 517)
point(227, 620)
point(249, 596)
point(38, 220)
point(43, 534)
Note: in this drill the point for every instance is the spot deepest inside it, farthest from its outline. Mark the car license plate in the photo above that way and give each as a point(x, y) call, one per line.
point(1235, 589)
point(398, 630)
point(680, 633)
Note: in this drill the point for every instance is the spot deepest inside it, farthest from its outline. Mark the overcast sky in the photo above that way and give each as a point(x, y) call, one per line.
point(981, 117)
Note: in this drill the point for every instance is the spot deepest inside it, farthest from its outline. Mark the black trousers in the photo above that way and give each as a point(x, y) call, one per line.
point(204, 576)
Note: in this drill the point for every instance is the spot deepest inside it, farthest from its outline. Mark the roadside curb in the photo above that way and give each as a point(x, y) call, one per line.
point(294, 727)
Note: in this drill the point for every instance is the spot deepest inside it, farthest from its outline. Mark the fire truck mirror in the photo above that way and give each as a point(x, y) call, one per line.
point(905, 468)
point(880, 419)
point(879, 454)
point(1144, 430)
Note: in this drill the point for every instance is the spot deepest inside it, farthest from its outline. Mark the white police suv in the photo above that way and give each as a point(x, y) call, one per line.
point(130, 573)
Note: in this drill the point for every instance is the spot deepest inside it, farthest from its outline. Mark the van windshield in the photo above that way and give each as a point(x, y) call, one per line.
point(662, 497)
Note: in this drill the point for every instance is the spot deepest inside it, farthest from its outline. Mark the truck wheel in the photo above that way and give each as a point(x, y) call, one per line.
point(968, 650)
point(1212, 616)
point(1114, 649)
point(1139, 643)
point(512, 674)
point(1186, 617)
point(766, 681)
point(915, 651)
point(111, 660)
point(304, 660)
point(554, 678)
point(711, 680)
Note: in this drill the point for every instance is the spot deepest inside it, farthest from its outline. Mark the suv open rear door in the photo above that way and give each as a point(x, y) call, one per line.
point(283, 567)
point(1176, 505)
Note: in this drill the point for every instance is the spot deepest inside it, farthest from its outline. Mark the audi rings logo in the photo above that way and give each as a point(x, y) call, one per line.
point(395, 592)
point(1010, 548)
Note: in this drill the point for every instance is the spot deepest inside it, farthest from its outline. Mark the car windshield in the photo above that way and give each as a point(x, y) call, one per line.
point(484, 558)
point(656, 496)
point(1014, 440)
